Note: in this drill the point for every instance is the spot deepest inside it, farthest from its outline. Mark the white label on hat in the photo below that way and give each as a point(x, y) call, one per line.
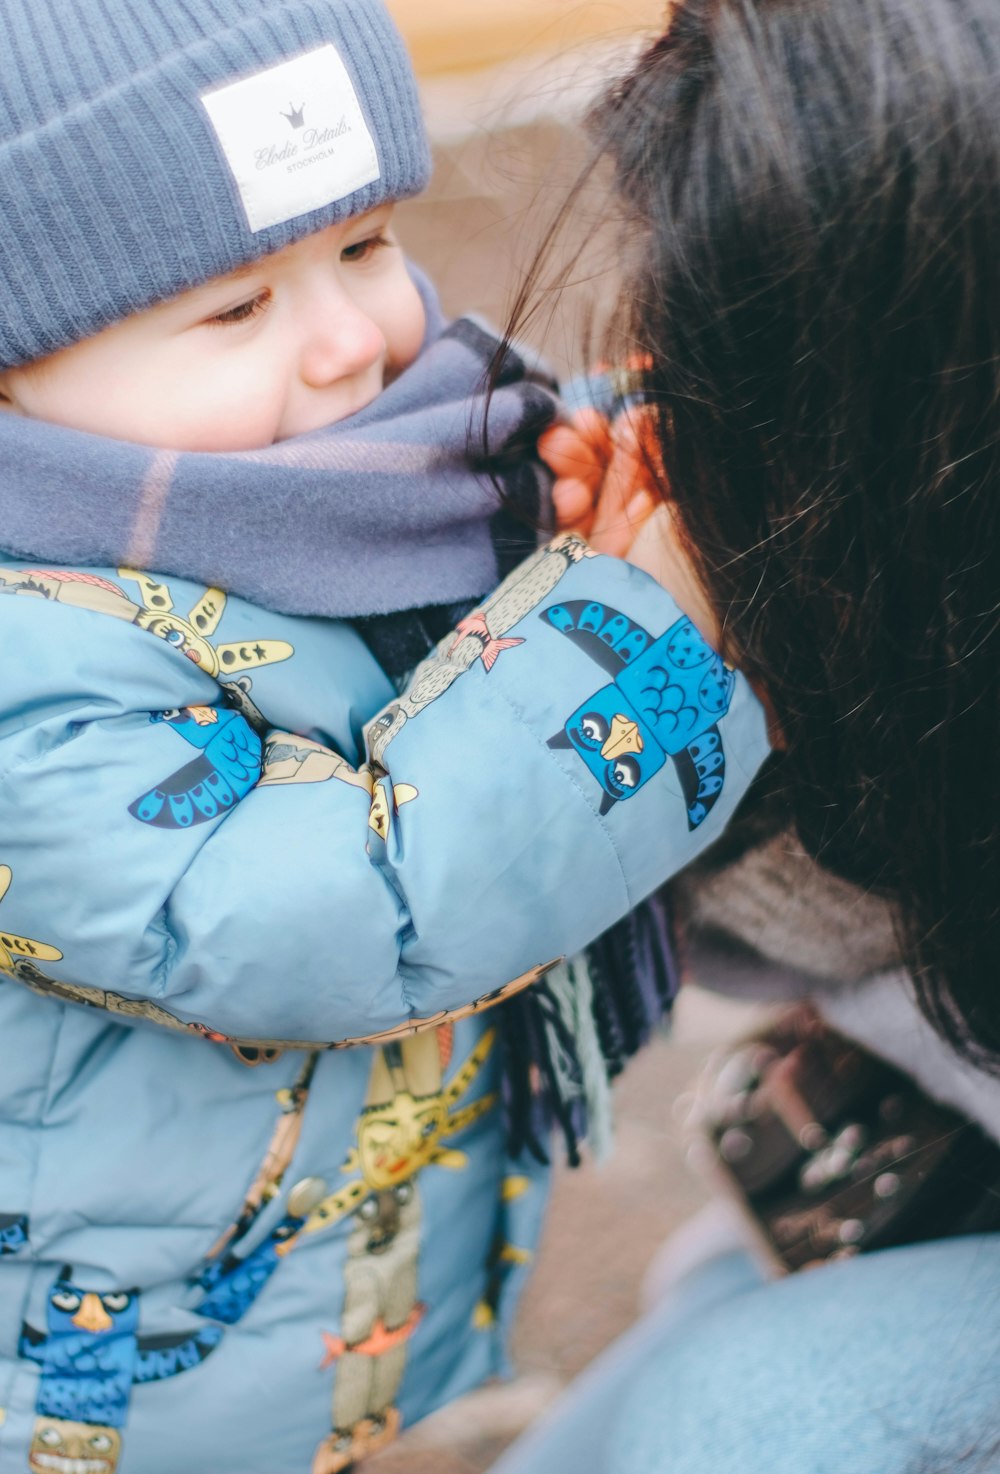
point(294, 136)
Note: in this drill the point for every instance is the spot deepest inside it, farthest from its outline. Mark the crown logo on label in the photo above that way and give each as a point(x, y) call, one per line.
point(296, 116)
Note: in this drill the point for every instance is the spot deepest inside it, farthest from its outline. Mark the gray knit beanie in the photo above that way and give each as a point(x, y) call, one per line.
point(148, 145)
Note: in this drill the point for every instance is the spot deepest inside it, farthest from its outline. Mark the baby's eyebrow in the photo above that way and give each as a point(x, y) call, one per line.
point(230, 279)
point(239, 273)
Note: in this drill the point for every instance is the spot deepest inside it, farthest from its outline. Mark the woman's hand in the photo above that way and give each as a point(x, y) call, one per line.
point(603, 492)
point(603, 482)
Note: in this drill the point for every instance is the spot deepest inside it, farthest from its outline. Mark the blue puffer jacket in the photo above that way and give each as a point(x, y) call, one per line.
point(215, 1247)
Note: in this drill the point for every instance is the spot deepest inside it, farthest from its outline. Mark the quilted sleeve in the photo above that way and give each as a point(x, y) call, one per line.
point(566, 751)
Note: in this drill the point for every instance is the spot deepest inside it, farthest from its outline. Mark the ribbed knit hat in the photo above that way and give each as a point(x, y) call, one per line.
point(148, 145)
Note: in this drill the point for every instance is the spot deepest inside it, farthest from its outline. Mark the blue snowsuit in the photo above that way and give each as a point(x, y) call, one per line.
point(227, 1246)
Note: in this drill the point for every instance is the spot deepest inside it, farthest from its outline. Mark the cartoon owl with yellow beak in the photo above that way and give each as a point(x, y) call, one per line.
point(91, 1354)
point(665, 700)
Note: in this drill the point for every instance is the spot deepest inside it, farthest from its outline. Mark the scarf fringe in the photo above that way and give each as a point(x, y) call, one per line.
point(568, 1037)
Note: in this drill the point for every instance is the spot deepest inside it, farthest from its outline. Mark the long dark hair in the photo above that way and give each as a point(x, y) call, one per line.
point(814, 190)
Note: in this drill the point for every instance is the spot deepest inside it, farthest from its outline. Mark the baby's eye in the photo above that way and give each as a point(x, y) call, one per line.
point(364, 250)
point(243, 312)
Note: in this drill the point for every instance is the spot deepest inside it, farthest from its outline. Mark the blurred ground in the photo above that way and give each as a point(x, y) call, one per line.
point(508, 149)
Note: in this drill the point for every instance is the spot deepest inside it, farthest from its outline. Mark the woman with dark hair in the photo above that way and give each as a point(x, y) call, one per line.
point(811, 200)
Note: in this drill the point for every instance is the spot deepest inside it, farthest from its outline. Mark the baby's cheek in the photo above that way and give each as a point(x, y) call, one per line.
point(228, 414)
point(404, 331)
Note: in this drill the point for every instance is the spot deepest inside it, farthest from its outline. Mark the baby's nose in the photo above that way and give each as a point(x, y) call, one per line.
point(340, 339)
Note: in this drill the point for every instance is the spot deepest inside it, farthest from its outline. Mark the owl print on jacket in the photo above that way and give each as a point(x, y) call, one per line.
point(90, 1356)
point(665, 699)
point(226, 769)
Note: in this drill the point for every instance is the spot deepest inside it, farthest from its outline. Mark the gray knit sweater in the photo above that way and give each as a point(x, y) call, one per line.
point(768, 922)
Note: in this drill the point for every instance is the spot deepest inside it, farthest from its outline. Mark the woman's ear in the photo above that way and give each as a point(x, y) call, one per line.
point(660, 551)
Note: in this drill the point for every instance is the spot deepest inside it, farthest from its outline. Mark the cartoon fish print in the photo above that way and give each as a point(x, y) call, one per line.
point(69, 586)
point(225, 772)
point(237, 696)
point(482, 635)
point(666, 698)
point(91, 1354)
point(19, 958)
point(477, 624)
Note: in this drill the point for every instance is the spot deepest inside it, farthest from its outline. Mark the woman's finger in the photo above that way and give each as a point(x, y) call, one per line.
point(573, 501)
point(627, 496)
point(580, 450)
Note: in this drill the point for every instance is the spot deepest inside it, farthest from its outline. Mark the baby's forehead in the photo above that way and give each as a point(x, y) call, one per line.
point(249, 271)
point(238, 274)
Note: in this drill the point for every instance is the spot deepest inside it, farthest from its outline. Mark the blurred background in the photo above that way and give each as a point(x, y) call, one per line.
point(470, 35)
point(504, 84)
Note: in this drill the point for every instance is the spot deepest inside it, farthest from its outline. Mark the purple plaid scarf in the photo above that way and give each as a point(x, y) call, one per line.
point(387, 510)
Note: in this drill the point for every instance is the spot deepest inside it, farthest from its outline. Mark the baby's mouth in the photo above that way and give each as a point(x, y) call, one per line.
point(352, 404)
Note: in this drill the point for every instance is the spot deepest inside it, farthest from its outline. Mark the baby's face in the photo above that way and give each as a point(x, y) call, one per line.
point(293, 342)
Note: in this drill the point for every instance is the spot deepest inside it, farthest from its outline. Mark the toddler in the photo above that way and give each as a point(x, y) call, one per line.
point(215, 363)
